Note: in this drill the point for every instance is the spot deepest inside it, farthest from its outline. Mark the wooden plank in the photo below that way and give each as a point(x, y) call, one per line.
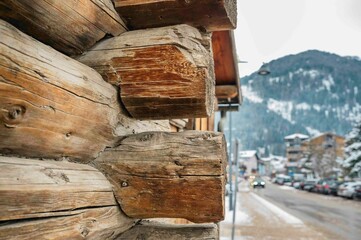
point(226, 91)
point(178, 123)
point(33, 188)
point(56, 200)
point(70, 26)
point(156, 231)
point(226, 67)
point(163, 73)
point(51, 105)
point(212, 15)
point(173, 175)
point(92, 223)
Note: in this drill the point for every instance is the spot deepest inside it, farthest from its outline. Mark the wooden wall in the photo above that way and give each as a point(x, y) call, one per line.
point(85, 103)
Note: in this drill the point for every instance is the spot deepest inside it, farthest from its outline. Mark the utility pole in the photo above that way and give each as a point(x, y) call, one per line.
point(230, 163)
point(235, 188)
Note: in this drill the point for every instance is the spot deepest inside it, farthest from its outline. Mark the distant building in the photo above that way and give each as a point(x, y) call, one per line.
point(249, 161)
point(278, 165)
point(295, 151)
point(270, 166)
point(321, 154)
point(264, 166)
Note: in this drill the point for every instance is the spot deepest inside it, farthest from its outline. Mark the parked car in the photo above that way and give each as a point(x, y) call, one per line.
point(258, 182)
point(281, 180)
point(296, 185)
point(348, 189)
point(309, 185)
point(334, 185)
point(302, 184)
point(357, 194)
point(319, 186)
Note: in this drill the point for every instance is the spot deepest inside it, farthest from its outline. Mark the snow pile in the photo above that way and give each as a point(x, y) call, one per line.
point(282, 108)
point(250, 95)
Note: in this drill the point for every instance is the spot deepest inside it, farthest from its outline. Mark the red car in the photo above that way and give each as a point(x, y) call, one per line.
point(319, 186)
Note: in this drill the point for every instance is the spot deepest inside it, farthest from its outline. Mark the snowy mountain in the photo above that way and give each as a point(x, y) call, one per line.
point(310, 92)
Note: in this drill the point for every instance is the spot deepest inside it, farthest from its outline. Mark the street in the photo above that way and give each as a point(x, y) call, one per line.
point(282, 212)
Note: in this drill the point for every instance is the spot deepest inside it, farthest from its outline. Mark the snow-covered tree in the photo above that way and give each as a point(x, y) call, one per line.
point(352, 163)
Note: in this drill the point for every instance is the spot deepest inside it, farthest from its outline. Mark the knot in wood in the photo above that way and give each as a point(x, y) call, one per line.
point(16, 112)
point(207, 136)
point(145, 137)
point(176, 162)
point(124, 184)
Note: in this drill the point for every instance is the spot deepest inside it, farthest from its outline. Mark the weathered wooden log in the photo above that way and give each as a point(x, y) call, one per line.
point(171, 175)
point(213, 15)
point(70, 26)
point(57, 200)
point(93, 223)
point(51, 105)
point(163, 73)
point(156, 231)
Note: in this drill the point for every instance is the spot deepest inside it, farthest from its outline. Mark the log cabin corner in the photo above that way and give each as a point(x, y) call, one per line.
point(107, 118)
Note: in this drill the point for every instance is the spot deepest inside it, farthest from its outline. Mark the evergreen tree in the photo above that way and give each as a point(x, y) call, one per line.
point(352, 163)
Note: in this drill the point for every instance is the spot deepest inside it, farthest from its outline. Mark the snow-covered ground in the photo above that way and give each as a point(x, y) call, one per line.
point(258, 218)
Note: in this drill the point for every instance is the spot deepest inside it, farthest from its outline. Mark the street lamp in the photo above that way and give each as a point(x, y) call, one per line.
point(264, 70)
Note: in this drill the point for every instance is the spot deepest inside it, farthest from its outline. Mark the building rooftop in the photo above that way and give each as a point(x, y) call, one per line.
point(296, 135)
point(247, 154)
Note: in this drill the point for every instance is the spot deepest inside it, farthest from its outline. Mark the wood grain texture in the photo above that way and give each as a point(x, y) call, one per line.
point(93, 223)
point(57, 200)
point(173, 175)
point(212, 15)
point(226, 91)
point(34, 188)
point(163, 73)
point(156, 231)
point(51, 105)
point(70, 26)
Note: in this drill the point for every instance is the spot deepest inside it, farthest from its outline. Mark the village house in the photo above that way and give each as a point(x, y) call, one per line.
point(322, 155)
point(271, 166)
point(248, 160)
point(294, 151)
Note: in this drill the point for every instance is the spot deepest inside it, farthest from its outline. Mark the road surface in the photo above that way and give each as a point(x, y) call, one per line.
point(281, 212)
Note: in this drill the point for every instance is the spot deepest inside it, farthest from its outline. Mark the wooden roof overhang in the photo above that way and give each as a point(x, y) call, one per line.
point(228, 91)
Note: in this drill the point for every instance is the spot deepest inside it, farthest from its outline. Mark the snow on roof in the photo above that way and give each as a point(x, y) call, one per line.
point(325, 133)
point(277, 157)
point(247, 154)
point(272, 158)
point(296, 135)
point(266, 159)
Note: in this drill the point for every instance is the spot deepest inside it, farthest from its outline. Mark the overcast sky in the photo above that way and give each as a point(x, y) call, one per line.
point(269, 29)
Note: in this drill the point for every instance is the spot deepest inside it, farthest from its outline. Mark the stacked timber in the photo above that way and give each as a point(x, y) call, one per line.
point(212, 15)
point(156, 231)
point(164, 175)
point(163, 73)
point(57, 200)
point(81, 155)
point(70, 26)
point(51, 105)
